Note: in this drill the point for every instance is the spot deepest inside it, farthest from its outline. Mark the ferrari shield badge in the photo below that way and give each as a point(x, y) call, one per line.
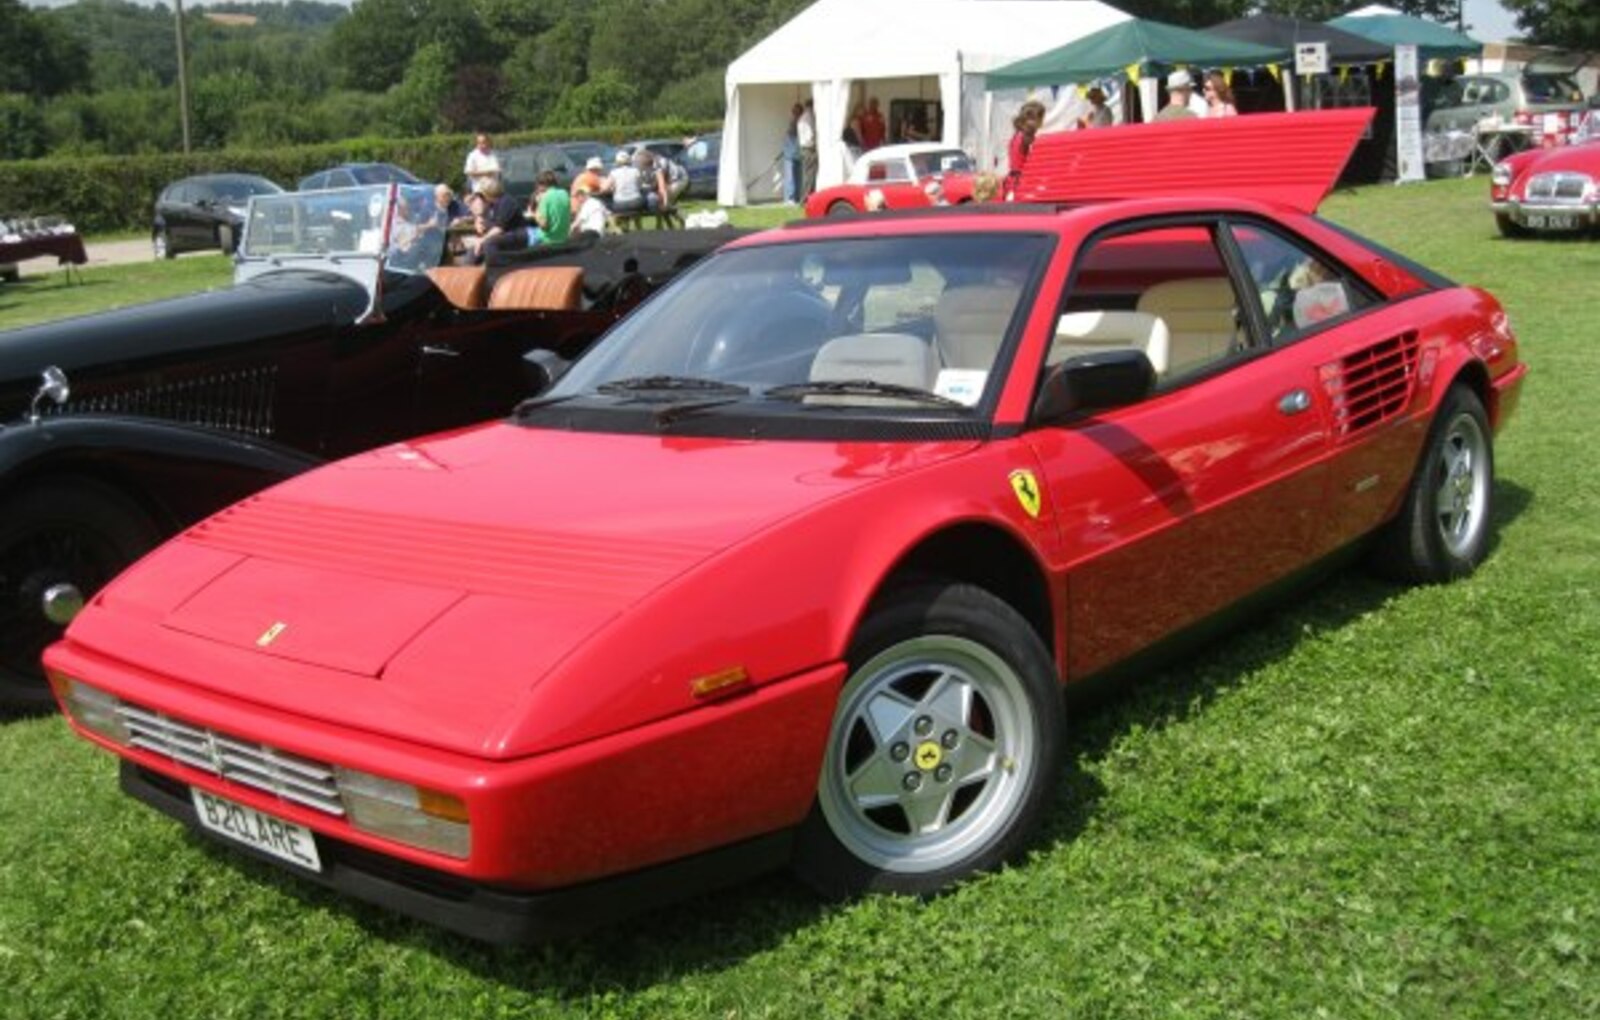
point(271, 634)
point(1027, 489)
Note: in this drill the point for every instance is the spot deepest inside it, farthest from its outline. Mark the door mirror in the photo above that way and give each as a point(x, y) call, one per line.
point(1093, 382)
point(541, 369)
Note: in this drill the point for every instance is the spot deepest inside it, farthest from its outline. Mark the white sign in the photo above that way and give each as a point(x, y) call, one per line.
point(1311, 58)
point(1407, 114)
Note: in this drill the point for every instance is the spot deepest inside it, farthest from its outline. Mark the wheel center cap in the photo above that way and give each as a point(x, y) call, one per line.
point(929, 755)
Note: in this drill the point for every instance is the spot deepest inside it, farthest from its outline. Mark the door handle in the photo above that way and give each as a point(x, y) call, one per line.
point(440, 352)
point(1294, 402)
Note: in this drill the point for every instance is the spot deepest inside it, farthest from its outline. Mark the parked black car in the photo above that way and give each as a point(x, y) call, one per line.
point(521, 166)
point(702, 159)
point(121, 428)
point(204, 213)
point(350, 175)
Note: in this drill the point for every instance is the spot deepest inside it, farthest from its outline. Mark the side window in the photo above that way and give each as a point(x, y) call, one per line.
point(316, 182)
point(903, 306)
point(1300, 291)
point(1499, 92)
point(1165, 292)
point(890, 170)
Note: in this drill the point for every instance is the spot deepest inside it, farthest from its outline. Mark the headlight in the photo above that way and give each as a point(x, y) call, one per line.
point(1500, 177)
point(91, 708)
point(407, 814)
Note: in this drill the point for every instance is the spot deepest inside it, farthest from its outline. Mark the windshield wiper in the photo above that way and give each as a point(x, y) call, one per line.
point(670, 413)
point(537, 403)
point(861, 388)
point(669, 384)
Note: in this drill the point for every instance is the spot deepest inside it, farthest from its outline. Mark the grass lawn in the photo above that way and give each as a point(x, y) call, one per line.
point(1375, 802)
point(54, 296)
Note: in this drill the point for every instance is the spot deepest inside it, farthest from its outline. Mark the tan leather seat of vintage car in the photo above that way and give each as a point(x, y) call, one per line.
point(970, 322)
point(1091, 332)
point(1199, 314)
point(898, 359)
point(539, 289)
point(462, 286)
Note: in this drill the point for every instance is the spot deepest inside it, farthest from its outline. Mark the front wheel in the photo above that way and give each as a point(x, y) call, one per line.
point(59, 531)
point(945, 746)
point(842, 208)
point(1442, 530)
point(161, 244)
point(1509, 227)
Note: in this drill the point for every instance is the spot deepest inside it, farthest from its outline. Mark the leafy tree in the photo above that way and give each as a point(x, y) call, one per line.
point(37, 56)
point(1573, 24)
point(606, 98)
point(22, 128)
point(476, 101)
point(413, 107)
point(1189, 13)
point(539, 70)
point(373, 47)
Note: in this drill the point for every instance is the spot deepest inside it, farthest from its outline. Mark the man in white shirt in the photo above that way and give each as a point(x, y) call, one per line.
point(483, 165)
point(806, 135)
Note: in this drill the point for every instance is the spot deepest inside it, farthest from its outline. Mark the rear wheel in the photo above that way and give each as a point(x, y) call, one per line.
point(841, 208)
point(57, 532)
point(945, 745)
point(1442, 530)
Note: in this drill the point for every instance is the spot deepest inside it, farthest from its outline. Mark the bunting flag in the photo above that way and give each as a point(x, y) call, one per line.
point(1275, 71)
point(1435, 67)
point(1227, 76)
point(1379, 70)
point(1133, 73)
point(1344, 74)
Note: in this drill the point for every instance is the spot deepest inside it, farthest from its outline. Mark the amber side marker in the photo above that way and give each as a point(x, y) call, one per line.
point(722, 682)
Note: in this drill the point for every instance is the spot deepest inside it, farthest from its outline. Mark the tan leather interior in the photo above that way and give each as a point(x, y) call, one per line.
point(898, 359)
point(1199, 314)
point(970, 323)
point(1091, 332)
point(462, 286)
point(539, 289)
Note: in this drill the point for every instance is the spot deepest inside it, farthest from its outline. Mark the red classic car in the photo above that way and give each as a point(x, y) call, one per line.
point(795, 564)
point(902, 174)
point(1549, 189)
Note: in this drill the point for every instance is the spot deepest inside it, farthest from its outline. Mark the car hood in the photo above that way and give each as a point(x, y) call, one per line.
point(275, 305)
point(440, 581)
point(1584, 158)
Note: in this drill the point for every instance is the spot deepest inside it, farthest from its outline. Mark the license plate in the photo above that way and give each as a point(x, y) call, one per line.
point(284, 840)
point(1553, 221)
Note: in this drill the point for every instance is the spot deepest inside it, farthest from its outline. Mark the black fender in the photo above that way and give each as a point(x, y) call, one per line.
point(177, 473)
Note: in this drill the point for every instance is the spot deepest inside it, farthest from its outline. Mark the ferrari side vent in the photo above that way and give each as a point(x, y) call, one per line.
point(1371, 385)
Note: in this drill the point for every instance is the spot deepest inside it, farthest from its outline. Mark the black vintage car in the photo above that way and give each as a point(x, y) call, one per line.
point(204, 213)
point(340, 333)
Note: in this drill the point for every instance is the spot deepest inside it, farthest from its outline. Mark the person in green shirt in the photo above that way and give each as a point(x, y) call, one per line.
point(553, 212)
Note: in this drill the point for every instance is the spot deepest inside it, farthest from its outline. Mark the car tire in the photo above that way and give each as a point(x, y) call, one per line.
point(161, 244)
point(1509, 227)
point(841, 208)
point(225, 239)
point(945, 747)
point(1442, 530)
point(57, 531)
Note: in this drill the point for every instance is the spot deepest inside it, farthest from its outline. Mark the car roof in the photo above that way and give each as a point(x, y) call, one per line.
point(904, 149)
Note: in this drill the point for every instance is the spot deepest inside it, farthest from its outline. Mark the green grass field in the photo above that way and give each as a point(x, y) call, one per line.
point(1374, 802)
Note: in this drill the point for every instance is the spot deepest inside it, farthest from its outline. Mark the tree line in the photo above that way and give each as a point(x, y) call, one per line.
point(98, 77)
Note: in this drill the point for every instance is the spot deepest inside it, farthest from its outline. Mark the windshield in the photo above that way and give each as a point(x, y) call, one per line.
point(949, 161)
point(408, 233)
point(381, 173)
point(890, 324)
point(1551, 88)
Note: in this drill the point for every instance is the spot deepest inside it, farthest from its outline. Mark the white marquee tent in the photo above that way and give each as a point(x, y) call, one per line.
point(836, 52)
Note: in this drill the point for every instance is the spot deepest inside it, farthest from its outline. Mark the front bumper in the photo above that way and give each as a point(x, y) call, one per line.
point(478, 910)
point(1549, 215)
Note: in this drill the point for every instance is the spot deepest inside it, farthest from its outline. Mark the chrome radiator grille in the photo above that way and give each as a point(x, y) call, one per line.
point(237, 401)
point(286, 776)
point(1558, 187)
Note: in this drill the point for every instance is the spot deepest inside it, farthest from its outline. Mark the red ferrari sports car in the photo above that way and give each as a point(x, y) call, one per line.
point(1549, 189)
point(794, 565)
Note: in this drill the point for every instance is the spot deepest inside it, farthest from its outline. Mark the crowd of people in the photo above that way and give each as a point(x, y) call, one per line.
point(599, 200)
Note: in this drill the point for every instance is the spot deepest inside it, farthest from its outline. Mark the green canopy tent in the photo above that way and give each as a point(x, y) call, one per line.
point(1151, 45)
point(1433, 41)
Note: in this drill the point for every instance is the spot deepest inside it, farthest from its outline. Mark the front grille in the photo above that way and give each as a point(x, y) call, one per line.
point(1562, 188)
point(240, 401)
point(286, 776)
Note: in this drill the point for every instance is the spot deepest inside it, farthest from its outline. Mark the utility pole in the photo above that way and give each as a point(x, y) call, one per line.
point(183, 81)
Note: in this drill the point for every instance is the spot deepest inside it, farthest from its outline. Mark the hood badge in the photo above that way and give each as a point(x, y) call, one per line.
point(271, 634)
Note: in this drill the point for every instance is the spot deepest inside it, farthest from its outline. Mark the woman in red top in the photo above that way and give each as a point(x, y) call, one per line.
point(871, 128)
point(1027, 123)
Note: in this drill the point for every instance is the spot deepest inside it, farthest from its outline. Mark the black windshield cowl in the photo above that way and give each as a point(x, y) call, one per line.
point(668, 387)
point(861, 388)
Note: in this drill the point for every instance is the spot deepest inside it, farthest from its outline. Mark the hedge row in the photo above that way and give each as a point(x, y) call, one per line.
point(101, 193)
